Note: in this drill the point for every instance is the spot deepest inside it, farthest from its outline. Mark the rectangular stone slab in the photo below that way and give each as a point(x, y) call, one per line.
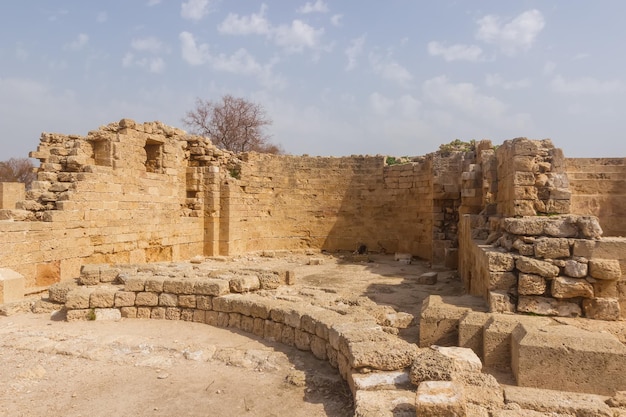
point(567, 358)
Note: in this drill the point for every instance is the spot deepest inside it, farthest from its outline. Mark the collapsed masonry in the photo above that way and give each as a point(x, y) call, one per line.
point(139, 193)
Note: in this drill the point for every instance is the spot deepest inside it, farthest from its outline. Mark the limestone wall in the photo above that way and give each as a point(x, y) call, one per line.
point(287, 202)
point(598, 188)
point(116, 195)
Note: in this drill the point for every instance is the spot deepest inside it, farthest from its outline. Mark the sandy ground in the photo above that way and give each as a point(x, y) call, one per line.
point(163, 368)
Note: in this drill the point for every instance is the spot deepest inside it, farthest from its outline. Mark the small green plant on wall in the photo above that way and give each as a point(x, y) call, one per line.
point(457, 145)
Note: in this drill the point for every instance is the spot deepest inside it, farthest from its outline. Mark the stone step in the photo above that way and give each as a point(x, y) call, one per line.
point(568, 403)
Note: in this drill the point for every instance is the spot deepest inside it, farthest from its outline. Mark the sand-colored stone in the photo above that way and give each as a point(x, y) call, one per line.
point(576, 360)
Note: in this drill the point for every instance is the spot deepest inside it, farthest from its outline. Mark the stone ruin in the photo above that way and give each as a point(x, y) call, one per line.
point(535, 237)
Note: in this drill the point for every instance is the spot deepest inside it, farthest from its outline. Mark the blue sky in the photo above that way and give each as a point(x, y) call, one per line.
point(336, 77)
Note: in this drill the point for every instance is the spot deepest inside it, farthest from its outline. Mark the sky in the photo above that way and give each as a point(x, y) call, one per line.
point(398, 77)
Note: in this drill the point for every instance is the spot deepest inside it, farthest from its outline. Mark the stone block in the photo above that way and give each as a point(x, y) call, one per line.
point(575, 269)
point(428, 278)
point(440, 399)
point(316, 261)
point(530, 284)
point(537, 267)
point(576, 360)
point(11, 286)
point(102, 297)
point(497, 338)
point(566, 287)
point(244, 283)
point(58, 292)
point(107, 314)
point(608, 269)
point(384, 403)
point(500, 261)
point(168, 300)
point(500, 302)
point(78, 298)
point(80, 315)
point(187, 301)
point(440, 316)
point(211, 286)
point(172, 313)
point(158, 313)
point(378, 380)
point(204, 302)
point(154, 284)
point(135, 284)
point(179, 286)
point(146, 299)
point(536, 402)
point(502, 281)
point(128, 312)
point(545, 306)
point(602, 309)
point(552, 248)
point(471, 328)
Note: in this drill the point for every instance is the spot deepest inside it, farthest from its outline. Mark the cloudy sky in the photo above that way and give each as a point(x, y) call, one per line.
point(397, 77)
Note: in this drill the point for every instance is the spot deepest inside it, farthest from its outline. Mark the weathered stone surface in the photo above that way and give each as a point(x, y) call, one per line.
point(605, 269)
point(560, 227)
point(530, 284)
point(12, 286)
point(552, 248)
point(210, 286)
point(245, 283)
point(602, 308)
point(471, 328)
point(589, 227)
point(107, 314)
point(102, 297)
point(502, 280)
point(440, 316)
point(537, 267)
point(397, 354)
point(78, 298)
point(523, 248)
point(179, 286)
point(575, 269)
point(384, 403)
point(146, 299)
point(545, 306)
point(565, 403)
point(500, 302)
point(577, 360)
point(527, 226)
point(566, 287)
point(58, 292)
point(500, 261)
point(440, 399)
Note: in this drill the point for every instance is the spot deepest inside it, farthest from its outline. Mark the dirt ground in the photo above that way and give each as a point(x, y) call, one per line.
point(162, 368)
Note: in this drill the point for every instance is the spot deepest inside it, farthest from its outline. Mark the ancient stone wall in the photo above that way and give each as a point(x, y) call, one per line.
point(598, 188)
point(116, 195)
point(287, 202)
point(528, 254)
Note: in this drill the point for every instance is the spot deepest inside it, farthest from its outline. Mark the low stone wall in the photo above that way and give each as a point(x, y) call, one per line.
point(554, 266)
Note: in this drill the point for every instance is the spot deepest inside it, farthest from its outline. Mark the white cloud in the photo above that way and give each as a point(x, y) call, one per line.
point(153, 2)
point(102, 17)
point(297, 36)
point(193, 53)
point(78, 43)
point(354, 51)
point(586, 85)
point(242, 62)
point(390, 70)
point(335, 20)
point(255, 24)
point(148, 44)
point(458, 52)
point(294, 37)
point(318, 7)
point(581, 55)
point(495, 80)
point(21, 52)
point(462, 96)
point(195, 9)
point(518, 33)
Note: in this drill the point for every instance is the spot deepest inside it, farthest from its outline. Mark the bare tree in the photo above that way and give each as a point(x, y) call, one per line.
point(234, 124)
point(17, 170)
